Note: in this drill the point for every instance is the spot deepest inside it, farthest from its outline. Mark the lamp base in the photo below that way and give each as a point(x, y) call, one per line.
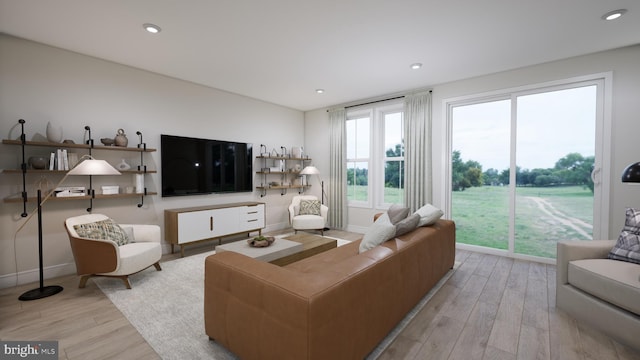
point(40, 293)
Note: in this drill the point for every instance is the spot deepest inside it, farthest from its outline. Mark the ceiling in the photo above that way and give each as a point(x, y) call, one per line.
point(281, 51)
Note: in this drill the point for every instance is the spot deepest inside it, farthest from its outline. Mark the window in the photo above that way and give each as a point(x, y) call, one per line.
point(358, 144)
point(375, 156)
point(525, 165)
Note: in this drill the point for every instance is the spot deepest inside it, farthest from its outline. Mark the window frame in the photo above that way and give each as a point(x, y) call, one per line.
point(377, 151)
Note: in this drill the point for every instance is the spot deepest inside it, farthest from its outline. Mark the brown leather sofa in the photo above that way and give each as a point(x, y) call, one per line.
point(335, 305)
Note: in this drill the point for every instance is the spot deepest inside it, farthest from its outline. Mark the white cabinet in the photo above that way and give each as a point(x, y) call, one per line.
point(189, 225)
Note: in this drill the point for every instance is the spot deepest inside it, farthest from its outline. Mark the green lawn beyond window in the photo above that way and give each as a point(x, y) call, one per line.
point(544, 216)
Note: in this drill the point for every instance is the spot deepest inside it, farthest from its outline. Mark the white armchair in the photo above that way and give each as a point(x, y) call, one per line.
point(306, 221)
point(103, 257)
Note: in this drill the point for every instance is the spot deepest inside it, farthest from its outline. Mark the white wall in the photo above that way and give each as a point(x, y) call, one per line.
point(625, 121)
point(39, 83)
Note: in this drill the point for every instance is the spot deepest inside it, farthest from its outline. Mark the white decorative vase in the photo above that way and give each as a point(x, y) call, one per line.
point(139, 181)
point(123, 165)
point(54, 133)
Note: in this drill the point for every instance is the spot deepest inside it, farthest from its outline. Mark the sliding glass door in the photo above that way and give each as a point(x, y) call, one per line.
point(522, 166)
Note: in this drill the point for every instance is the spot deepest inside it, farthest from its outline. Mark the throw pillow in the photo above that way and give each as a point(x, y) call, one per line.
point(381, 231)
point(309, 207)
point(429, 214)
point(407, 224)
point(397, 213)
point(102, 230)
point(627, 248)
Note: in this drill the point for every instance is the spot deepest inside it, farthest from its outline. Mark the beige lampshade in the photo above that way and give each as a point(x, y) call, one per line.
point(310, 170)
point(91, 166)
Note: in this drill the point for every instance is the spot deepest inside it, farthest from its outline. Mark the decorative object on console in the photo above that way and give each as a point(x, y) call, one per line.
point(90, 166)
point(121, 139)
point(54, 133)
point(261, 241)
point(631, 173)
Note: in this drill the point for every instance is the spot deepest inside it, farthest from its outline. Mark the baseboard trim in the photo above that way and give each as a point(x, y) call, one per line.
point(33, 275)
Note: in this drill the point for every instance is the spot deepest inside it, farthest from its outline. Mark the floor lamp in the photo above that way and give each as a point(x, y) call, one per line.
point(312, 170)
point(90, 166)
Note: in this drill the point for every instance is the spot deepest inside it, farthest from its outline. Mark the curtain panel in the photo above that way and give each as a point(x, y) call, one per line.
point(418, 163)
point(337, 195)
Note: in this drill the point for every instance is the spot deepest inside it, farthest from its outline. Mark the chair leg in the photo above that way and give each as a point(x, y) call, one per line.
point(125, 279)
point(83, 281)
point(157, 265)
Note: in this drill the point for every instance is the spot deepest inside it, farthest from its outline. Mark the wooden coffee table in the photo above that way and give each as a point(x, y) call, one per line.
point(311, 245)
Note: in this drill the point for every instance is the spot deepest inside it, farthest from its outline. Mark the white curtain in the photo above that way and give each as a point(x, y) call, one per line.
point(337, 194)
point(417, 137)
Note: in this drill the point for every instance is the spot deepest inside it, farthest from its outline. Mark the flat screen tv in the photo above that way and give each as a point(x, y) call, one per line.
point(192, 166)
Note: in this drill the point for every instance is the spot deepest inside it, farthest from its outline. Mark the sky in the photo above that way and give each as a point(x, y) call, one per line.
point(549, 126)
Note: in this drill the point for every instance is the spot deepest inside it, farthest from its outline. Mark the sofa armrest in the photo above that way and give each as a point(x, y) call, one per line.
point(144, 233)
point(578, 250)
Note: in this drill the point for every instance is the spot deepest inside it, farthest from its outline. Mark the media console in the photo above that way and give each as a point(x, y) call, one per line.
point(187, 226)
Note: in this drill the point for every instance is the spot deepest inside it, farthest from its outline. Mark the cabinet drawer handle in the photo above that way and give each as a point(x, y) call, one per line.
point(252, 220)
point(252, 212)
point(211, 223)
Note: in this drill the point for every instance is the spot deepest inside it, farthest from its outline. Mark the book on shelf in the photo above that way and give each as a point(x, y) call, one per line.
point(68, 191)
point(59, 160)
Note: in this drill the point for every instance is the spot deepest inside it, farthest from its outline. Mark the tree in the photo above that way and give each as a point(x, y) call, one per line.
point(394, 170)
point(465, 174)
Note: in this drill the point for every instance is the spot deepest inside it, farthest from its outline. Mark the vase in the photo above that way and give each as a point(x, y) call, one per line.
point(38, 162)
point(54, 133)
point(121, 139)
point(123, 165)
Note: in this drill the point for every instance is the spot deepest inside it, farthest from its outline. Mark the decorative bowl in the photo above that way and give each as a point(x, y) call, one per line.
point(38, 162)
point(106, 141)
point(261, 241)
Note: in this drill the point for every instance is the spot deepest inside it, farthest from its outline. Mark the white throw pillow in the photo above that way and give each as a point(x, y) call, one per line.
point(381, 231)
point(429, 214)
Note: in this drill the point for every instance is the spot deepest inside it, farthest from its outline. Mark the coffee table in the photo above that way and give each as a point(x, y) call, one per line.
point(311, 245)
point(280, 248)
point(283, 251)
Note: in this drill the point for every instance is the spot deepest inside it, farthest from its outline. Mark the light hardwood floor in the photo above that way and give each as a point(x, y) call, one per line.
point(491, 308)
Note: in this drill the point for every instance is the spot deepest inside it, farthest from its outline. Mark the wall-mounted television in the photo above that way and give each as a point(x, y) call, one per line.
point(192, 166)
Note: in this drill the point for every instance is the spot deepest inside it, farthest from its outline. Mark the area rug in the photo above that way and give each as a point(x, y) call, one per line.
point(166, 307)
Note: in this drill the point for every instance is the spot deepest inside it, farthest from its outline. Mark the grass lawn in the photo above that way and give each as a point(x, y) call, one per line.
point(543, 217)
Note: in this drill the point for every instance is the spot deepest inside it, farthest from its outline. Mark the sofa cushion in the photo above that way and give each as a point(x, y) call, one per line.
point(613, 281)
point(381, 231)
point(408, 224)
point(627, 247)
point(397, 213)
point(102, 230)
point(429, 214)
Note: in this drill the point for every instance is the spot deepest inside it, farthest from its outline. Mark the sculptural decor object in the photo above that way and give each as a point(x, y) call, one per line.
point(54, 133)
point(121, 138)
point(261, 241)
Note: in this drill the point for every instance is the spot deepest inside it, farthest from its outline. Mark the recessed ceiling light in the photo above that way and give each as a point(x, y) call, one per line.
point(320, 91)
point(416, 66)
point(612, 15)
point(154, 29)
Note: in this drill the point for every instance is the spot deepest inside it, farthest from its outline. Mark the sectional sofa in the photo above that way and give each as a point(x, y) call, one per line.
point(335, 305)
